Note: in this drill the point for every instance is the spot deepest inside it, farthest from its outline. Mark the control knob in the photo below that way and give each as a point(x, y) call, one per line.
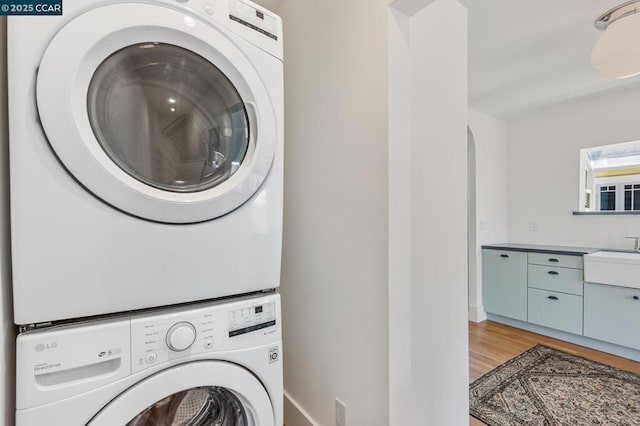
point(181, 336)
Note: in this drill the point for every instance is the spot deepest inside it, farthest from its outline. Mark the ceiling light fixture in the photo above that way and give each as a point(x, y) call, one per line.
point(617, 52)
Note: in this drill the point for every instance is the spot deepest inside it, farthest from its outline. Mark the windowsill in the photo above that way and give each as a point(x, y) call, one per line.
point(613, 212)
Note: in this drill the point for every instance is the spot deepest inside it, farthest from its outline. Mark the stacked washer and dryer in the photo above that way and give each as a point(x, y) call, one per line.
point(146, 159)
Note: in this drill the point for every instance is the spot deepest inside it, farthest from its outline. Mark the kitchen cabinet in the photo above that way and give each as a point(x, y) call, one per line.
point(543, 288)
point(505, 275)
point(612, 314)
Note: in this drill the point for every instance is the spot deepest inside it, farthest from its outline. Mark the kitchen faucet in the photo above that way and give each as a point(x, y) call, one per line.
point(637, 245)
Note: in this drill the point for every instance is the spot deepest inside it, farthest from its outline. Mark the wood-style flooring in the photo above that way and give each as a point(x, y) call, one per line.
point(491, 344)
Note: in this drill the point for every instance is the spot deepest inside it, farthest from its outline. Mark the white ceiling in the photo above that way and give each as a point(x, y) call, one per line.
point(525, 55)
point(272, 5)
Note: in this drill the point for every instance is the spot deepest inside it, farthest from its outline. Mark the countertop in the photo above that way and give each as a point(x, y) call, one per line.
point(535, 248)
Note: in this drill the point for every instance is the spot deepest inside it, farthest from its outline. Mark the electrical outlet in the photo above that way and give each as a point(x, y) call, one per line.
point(341, 413)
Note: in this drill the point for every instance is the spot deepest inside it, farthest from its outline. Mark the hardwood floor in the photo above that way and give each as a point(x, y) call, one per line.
point(491, 344)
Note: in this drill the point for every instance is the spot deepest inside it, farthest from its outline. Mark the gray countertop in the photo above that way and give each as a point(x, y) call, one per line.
point(573, 251)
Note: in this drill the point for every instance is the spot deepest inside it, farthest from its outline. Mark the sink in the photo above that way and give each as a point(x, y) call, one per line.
point(613, 267)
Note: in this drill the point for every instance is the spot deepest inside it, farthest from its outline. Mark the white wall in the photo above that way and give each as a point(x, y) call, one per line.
point(544, 155)
point(439, 237)
point(334, 273)
point(400, 224)
point(490, 136)
point(7, 332)
point(428, 214)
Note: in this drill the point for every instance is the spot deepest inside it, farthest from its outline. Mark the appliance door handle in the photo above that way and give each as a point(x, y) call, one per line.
point(554, 260)
point(504, 256)
point(252, 112)
point(553, 297)
point(553, 273)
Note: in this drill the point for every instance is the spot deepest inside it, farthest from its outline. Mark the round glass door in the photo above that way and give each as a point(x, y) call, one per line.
point(199, 393)
point(202, 406)
point(165, 118)
point(168, 117)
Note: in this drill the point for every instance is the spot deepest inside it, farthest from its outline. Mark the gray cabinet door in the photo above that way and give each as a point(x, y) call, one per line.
point(556, 310)
point(612, 314)
point(504, 276)
point(564, 280)
point(559, 260)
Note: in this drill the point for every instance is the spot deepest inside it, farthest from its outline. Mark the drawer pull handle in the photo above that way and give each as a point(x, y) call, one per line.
point(636, 298)
point(554, 260)
point(553, 297)
point(504, 255)
point(553, 273)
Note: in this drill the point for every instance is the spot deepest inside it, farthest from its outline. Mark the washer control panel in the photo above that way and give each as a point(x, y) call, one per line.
point(172, 334)
point(159, 339)
point(65, 360)
point(246, 320)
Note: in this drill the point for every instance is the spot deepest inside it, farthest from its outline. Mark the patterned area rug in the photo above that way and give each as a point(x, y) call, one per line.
point(544, 386)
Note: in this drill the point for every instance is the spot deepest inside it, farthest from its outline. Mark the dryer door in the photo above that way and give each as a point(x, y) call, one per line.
point(195, 394)
point(156, 112)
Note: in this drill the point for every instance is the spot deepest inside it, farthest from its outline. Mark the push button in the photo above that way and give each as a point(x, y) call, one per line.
point(151, 357)
point(208, 344)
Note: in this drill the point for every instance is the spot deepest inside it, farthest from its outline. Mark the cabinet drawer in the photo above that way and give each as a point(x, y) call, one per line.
point(612, 314)
point(564, 280)
point(504, 276)
point(561, 260)
point(555, 310)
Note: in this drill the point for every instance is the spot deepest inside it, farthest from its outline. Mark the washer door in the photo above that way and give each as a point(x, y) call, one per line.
point(195, 394)
point(156, 112)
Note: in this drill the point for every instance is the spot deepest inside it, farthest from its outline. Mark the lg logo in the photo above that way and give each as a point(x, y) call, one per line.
point(45, 346)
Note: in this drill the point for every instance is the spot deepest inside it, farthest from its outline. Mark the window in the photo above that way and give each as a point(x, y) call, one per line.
point(620, 197)
point(607, 197)
point(610, 178)
point(632, 197)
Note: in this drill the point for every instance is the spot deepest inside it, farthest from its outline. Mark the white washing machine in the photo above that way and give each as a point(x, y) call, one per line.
point(146, 143)
point(206, 364)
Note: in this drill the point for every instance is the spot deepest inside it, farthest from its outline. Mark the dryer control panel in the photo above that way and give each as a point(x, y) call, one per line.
point(251, 21)
point(248, 14)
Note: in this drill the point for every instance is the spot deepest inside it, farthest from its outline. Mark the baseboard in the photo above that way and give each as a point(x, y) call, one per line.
point(477, 313)
point(294, 414)
point(588, 342)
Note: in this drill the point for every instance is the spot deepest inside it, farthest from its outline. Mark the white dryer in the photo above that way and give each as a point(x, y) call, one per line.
point(146, 143)
point(209, 363)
